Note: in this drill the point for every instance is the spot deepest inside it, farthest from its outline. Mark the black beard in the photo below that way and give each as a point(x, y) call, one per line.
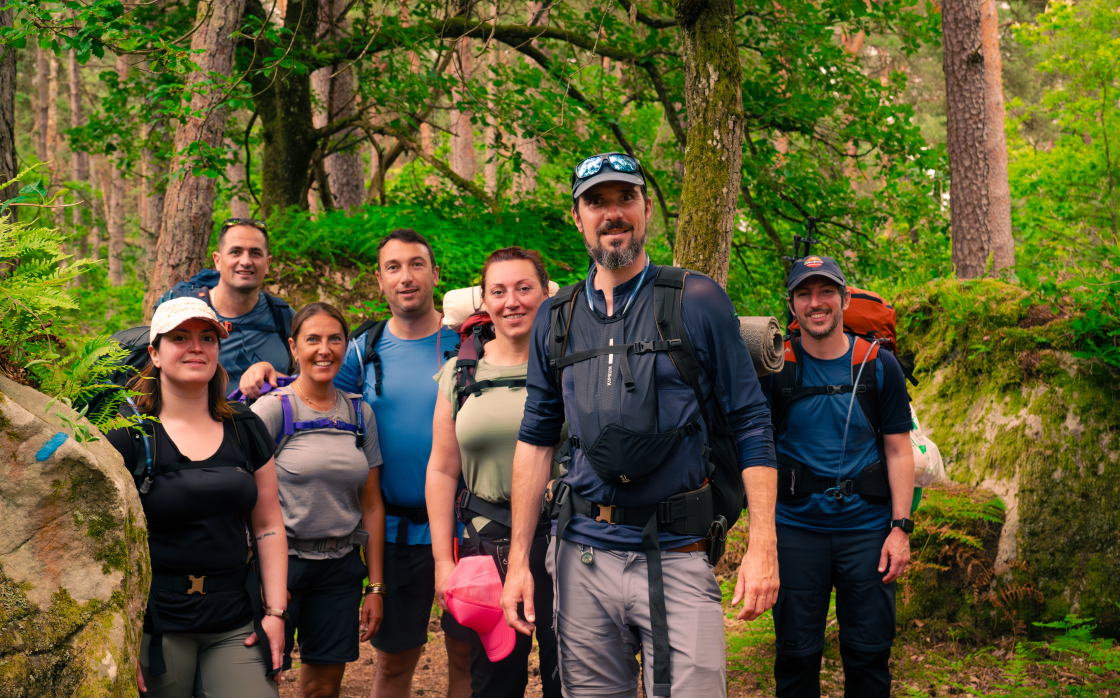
point(616, 257)
point(826, 333)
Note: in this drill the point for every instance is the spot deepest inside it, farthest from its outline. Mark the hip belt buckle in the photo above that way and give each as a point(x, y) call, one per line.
point(843, 489)
point(606, 514)
point(196, 584)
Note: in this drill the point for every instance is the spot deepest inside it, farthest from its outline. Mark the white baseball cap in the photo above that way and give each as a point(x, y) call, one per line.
point(175, 312)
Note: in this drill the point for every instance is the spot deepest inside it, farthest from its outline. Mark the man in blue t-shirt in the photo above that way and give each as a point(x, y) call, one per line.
point(412, 347)
point(841, 515)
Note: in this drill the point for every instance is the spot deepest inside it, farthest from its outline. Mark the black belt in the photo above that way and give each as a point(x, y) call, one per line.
point(796, 481)
point(407, 516)
point(202, 584)
point(686, 514)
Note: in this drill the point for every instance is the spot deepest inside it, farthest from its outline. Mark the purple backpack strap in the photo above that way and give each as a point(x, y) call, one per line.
point(289, 418)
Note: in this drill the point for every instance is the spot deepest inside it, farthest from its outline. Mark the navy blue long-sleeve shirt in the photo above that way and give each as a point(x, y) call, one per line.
point(713, 330)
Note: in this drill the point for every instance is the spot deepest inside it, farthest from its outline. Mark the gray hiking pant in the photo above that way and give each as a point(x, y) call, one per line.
point(208, 665)
point(602, 622)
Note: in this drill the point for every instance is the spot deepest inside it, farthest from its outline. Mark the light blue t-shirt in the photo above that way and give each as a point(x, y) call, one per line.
point(403, 411)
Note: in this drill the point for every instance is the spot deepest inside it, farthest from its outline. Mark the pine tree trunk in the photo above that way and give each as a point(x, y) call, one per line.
point(714, 155)
point(189, 204)
point(337, 98)
point(153, 185)
point(79, 161)
point(462, 139)
point(55, 66)
point(238, 207)
point(42, 105)
point(966, 130)
point(115, 200)
point(9, 164)
point(999, 189)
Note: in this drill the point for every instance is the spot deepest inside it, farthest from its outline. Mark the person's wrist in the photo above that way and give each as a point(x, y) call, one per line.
point(375, 588)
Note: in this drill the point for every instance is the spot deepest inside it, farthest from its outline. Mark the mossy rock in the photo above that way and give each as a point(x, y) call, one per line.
point(74, 567)
point(1014, 411)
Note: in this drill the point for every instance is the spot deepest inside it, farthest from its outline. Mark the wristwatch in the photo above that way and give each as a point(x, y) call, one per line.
point(906, 525)
point(278, 612)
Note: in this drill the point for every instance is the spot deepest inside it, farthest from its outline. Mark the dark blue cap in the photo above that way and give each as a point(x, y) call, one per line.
point(815, 266)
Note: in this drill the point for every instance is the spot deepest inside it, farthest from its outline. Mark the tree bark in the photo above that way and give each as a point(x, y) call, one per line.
point(79, 161)
point(153, 186)
point(189, 204)
point(462, 138)
point(42, 105)
point(337, 98)
point(999, 189)
point(9, 165)
point(966, 130)
point(283, 103)
point(235, 172)
point(114, 199)
point(55, 66)
point(714, 155)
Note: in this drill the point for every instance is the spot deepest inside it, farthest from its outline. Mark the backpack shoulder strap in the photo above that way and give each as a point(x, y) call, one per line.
point(560, 319)
point(867, 391)
point(371, 355)
point(253, 443)
point(466, 365)
point(282, 321)
point(783, 382)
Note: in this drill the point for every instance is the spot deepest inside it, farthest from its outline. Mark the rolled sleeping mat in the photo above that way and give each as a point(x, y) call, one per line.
point(763, 336)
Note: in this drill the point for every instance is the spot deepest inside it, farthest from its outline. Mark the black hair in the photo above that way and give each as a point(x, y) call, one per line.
point(406, 235)
point(234, 222)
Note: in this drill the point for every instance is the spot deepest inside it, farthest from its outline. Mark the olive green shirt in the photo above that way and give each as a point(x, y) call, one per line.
point(486, 428)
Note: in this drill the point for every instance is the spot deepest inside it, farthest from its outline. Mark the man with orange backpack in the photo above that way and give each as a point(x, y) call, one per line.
point(845, 485)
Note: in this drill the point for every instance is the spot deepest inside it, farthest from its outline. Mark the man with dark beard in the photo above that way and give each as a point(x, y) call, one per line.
point(845, 485)
point(634, 513)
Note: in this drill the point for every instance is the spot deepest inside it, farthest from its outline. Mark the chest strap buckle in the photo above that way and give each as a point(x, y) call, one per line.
point(197, 584)
point(606, 514)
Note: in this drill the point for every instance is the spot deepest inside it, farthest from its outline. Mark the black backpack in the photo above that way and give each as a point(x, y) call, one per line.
point(373, 329)
point(728, 494)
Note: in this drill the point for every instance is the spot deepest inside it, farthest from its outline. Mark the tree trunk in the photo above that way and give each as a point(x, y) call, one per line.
point(114, 198)
point(462, 139)
point(9, 165)
point(714, 155)
point(189, 204)
point(999, 190)
point(153, 185)
point(42, 106)
point(79, 161)
point(494, 56)
point(337, 98)
point(235, 173)
point(55, 67)
point(966, 130)
point(283, 103)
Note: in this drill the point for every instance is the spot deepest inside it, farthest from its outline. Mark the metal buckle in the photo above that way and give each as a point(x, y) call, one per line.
point(606, 514)
point(196, 584)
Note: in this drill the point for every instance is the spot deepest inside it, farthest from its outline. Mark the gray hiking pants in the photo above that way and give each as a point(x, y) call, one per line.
point(208, 665)
point(602, 622)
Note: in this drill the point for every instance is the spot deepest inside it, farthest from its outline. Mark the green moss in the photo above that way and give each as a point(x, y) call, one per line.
point(1010, 406)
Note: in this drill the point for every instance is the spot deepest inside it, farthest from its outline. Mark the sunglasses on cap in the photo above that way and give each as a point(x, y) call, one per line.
point(616, 161)
point(232, 222)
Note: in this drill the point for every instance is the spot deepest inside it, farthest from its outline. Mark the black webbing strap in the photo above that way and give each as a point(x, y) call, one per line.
point(203, 584)
point(658, 615)
point(563, 305)
point(685, 514)
point(479, 386)
point(622, 349)
point(470, 506)
point(407, 516)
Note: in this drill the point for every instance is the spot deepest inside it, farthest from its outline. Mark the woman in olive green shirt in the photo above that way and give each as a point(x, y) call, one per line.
point(476, 442)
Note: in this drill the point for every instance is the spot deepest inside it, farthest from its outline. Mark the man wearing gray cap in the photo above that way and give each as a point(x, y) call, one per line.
point(668, 427)
point(845, 485)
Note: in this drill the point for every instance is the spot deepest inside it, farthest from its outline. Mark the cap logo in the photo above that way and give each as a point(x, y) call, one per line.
point(813, 262)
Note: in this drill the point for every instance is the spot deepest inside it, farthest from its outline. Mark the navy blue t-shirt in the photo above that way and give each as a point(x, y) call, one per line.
point(727, 373)
point(243, 348)
point(814, 430)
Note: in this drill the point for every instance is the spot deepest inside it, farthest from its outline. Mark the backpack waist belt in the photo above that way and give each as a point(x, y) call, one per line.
point(329, 545)
point(796, 481)
point(202, 584)
point(468, 506)
point(686, 514)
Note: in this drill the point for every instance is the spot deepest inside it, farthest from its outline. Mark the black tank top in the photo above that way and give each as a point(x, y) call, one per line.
point(197, 514)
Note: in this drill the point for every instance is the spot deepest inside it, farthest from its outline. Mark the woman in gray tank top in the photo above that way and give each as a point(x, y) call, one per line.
point(328, 466)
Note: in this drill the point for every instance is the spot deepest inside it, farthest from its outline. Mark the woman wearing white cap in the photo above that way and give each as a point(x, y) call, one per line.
point(206, 476)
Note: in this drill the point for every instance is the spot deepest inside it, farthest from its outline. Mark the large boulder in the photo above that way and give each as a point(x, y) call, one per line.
point(1015, 412)
point(74, 569)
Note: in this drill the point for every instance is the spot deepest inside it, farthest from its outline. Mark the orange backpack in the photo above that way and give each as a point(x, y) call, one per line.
point(868, 316)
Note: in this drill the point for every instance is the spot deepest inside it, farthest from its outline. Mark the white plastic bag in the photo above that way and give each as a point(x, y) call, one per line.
point(929, 468)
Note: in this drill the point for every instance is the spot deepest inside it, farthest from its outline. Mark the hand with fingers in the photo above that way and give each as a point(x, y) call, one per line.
point(444, 568)
point(757, 585)
point(895, 556)
point(255, 377)
point(140, 685)
point(274, 631)
point(518, 589)
point(373, 610)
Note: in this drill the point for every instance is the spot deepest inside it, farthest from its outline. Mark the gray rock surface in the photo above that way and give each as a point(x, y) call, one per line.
point(74, 568)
